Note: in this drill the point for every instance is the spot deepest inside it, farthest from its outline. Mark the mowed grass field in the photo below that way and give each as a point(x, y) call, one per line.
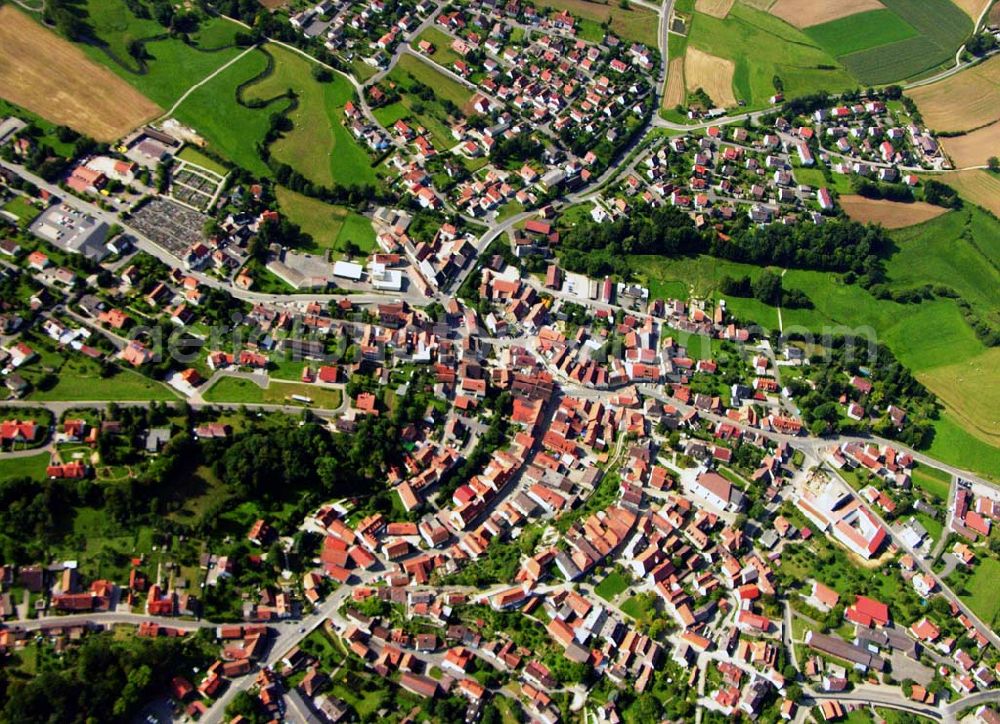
point(762, 46)
point(32, 466)
point(633, 23)
point(982, 587)
point(241, 391)
point(961, 250)
point(53, 78)
point(230, 129)
point(125, 386)
point(329, 226)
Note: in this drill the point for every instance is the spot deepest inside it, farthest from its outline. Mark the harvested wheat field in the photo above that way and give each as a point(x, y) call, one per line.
point(972, 8)
point(978, 186)
point(53, 78)
point(804, 13)
point(712, 74)
point(966, 100)
point(890, 214)
point(673, 94)
point(762, 5)
point(715, 8)
point(973, 149)
point(994, 15)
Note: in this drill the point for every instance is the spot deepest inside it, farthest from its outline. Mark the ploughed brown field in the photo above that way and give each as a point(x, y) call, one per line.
point(805, 13)
point(891, 214)
point(53, 78)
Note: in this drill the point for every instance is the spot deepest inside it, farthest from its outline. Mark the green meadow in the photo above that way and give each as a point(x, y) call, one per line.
point(931, 338)
point(318, 145)
point(762, 47)
point(330, 226)
point(162, 81)
point(860, 31)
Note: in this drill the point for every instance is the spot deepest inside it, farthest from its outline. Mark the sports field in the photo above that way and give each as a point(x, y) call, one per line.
point(964, 101)
point(890, 214)
point(62, 84)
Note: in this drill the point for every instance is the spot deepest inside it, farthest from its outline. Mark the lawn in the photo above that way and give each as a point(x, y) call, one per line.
point(428, 112)
point(932, 480)
point(860, 32)
point(88, 386)
point(193, 155)
point(330, 226)
point(23, 209)
point(32, 466)
point(444, 87)
point(762, 47)
point(443, 54)
point(243, 391)
point(613, 584)
point(982, 587)
point(641, 607)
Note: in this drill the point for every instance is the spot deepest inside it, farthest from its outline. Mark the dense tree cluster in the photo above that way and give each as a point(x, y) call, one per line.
point(598, 249)
point(767, 288)
point(105, 679)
